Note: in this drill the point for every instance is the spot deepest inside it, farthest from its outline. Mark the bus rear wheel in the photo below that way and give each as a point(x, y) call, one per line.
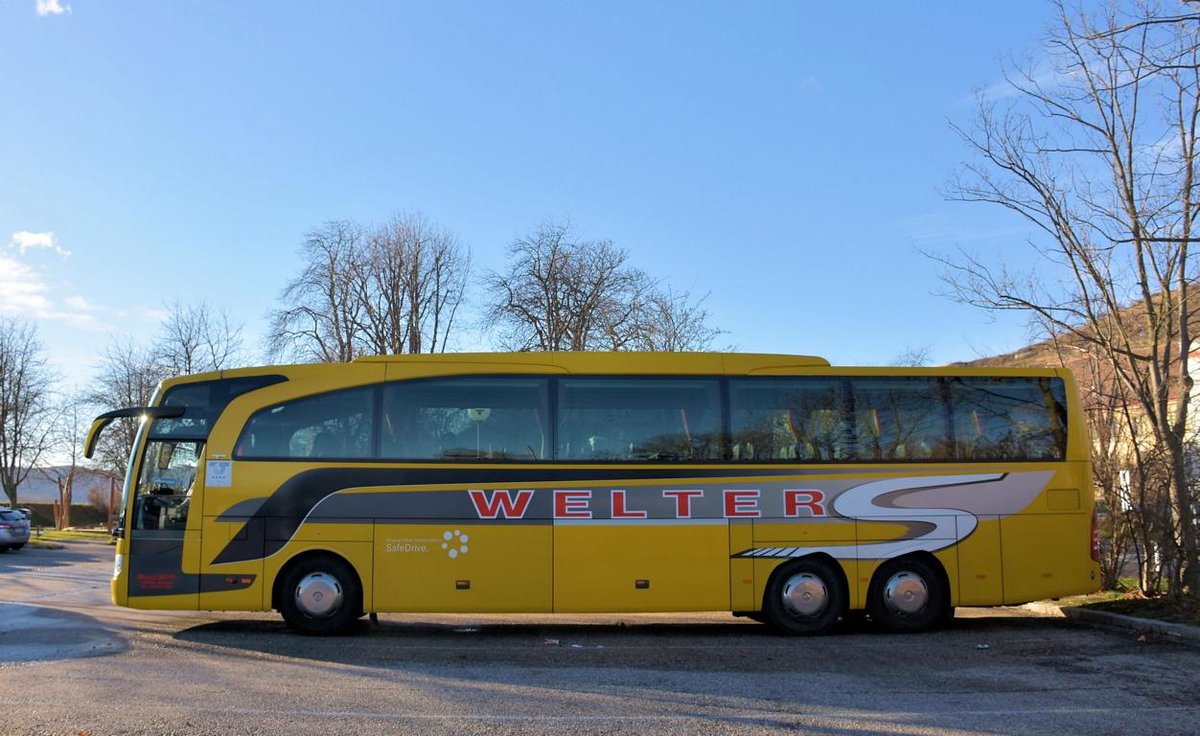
point(805, 597)
point(907, 595)
point(320, 596)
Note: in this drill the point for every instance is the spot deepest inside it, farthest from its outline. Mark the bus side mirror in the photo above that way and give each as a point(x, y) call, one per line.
point(102, 421)
point(93, 436)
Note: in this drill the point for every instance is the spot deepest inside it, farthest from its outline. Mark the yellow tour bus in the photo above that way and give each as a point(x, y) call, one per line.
point(773, 486)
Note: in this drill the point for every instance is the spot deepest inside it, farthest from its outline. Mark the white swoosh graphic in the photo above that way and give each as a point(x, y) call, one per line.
point(950, 525)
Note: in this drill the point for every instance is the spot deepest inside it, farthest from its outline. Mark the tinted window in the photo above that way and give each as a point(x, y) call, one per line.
point(335, 425)
point(796, 419)
point(899, 418)
point(1009, 418)
point(634, 419)
point(465, 419)
point(204, 402)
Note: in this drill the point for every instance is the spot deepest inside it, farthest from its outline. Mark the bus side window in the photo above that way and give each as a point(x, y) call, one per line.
point(1007, 419)
point(899, 418)
point(334, 425)
point(635, 419)
point(786, 419)
point(464, 418)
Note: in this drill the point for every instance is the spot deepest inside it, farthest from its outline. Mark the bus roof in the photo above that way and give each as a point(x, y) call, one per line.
point(597, 363)
point(603, 361)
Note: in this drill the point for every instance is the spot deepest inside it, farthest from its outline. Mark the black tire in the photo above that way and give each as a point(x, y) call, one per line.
point(3, 549)
point(320, 596)
point(17, 546)
point(805, 597)
point(907, 595)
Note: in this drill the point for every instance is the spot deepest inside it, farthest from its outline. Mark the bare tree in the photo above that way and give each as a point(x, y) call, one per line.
point(99, 498)
point(66, 441)
point(128, 376)
point(195, 338)
point(553, 295)
point(560, 293)
point(320, 316)
point(26, 404)
point(672, 322)
point(391, 289)
point(414, 275)
point(1099, 157)
point(912, 357)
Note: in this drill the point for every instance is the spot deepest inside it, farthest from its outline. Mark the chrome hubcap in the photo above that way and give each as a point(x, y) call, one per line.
point(905, 593)
point(319, 594)
point(804, 594)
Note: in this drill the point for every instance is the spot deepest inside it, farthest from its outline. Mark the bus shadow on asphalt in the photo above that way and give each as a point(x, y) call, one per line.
point(742, 645)
point(39, 634)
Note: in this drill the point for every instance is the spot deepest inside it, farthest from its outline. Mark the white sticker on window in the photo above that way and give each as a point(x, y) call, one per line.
point(219, 474)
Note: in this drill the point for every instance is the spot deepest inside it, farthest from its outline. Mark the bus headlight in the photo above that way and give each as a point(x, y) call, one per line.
point(118, 565)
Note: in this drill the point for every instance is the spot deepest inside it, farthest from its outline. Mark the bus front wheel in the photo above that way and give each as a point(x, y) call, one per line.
point(320, 595)
point(805, 596)
point(907, 595)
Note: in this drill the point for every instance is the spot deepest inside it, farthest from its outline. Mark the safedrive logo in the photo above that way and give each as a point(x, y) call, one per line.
point(455, 543)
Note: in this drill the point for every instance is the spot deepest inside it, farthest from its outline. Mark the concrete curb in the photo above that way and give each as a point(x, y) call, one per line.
point(1044, 609)
point(1183, 633)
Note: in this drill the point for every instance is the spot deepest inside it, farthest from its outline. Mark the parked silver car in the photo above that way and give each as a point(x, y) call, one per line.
point(14, 529)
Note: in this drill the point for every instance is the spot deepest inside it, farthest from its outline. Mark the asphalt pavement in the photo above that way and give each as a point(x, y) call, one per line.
point(71, 663)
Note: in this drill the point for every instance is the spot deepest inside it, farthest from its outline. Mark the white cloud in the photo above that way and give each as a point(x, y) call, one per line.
point(940, 228)
point(78, 303)
point(51, 7)
point(25, 241)
point(26, 291)
point(22, 290)
point(1041, 75)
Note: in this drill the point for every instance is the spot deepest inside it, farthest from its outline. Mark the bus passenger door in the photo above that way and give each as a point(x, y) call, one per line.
point(164, 536)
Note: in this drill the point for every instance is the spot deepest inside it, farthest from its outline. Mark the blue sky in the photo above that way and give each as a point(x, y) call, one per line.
point(786, 158)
